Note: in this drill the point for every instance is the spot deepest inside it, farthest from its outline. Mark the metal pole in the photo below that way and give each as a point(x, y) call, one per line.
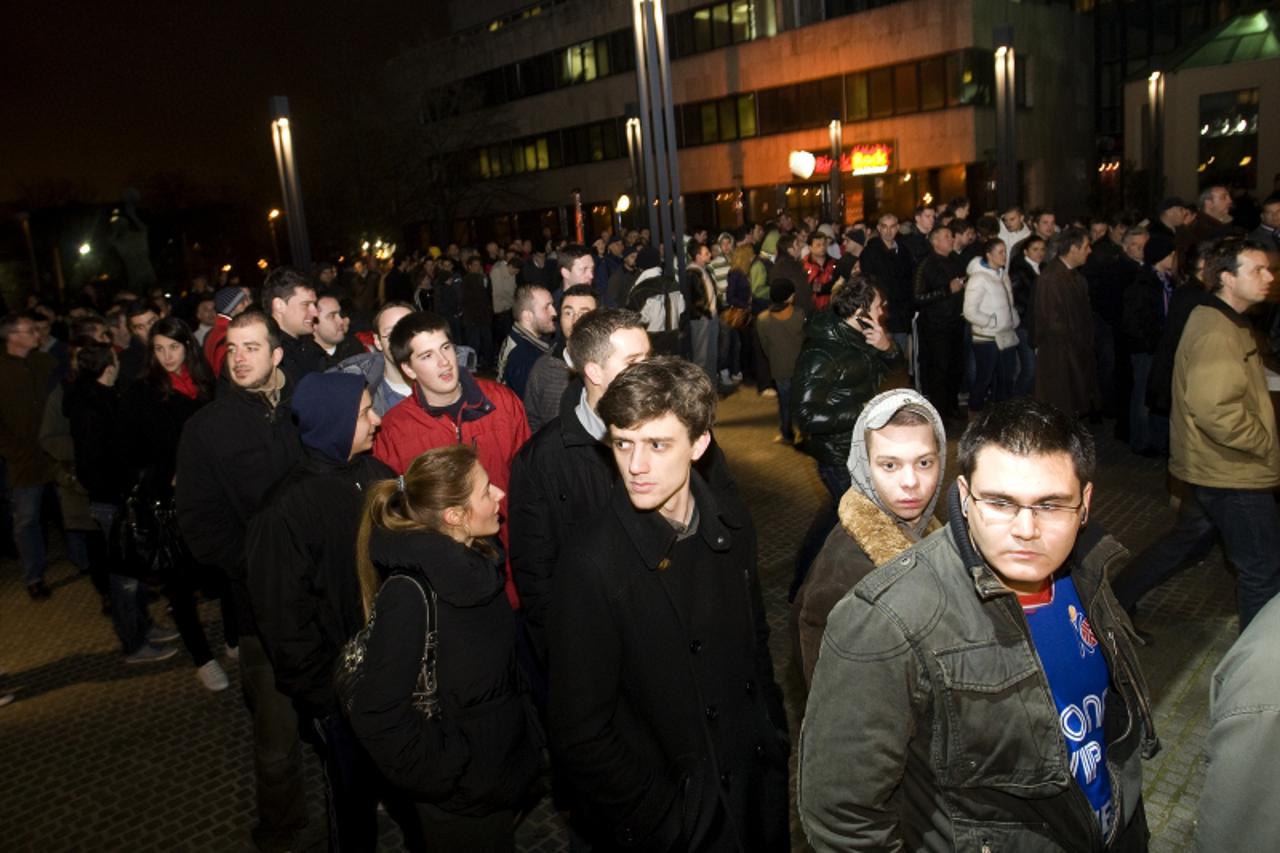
point(290, 186)
point(25, 219)
point(669, 149)
point(837, 177)
point(654, 135)
point(1006, 153)
point(643, 121)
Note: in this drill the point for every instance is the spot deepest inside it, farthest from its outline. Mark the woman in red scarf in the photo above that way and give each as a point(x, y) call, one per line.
point(177, 384)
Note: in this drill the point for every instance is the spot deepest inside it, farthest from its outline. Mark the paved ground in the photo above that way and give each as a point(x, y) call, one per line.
point(99, 756)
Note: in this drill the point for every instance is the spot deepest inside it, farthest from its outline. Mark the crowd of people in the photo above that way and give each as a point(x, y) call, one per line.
point(475, 543)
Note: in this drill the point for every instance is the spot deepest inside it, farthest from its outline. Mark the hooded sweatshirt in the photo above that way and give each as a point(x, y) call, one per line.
point(868, 534)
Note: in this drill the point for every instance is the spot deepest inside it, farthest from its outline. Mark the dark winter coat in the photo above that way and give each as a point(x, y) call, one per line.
point(836, 374)
point(151, 427)
point(939, 307)
point(1144, 312)
point(133, 361)
point(25, 384)
point(482, 753)
point(1066, 375)
point(232, 452)
point(665, 719)
point(94, 412)
point(1185, 299)
point(301, 356)
point(787, 268)
point(301, 550)
point(892, 271)
point(560, 479)
point(477, 299)
point(1022, 278)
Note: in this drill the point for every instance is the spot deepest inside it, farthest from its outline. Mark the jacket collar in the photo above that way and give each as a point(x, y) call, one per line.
point(459, 575)
point(475, 403)
point(877, 535)
point(653, 538)
point(572, 432)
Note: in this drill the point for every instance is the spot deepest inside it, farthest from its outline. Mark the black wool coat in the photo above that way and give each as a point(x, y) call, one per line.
point(151, 425)
point(301, 550)
point(483, 752)
point(562, 477)
point(665, 720)
point(232, 452)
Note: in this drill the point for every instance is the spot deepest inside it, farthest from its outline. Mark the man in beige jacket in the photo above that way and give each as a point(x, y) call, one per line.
point(1222, 437)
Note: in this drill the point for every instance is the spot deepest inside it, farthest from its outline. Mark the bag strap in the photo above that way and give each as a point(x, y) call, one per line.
point(426, 695)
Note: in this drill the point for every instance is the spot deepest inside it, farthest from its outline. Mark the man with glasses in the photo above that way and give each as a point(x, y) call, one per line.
point(999, 704)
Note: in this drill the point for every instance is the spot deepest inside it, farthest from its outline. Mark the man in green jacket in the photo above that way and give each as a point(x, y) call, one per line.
point(980, 691)
point(25, 381)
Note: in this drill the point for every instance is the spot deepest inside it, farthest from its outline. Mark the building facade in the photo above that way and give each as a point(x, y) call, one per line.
point(532, 102)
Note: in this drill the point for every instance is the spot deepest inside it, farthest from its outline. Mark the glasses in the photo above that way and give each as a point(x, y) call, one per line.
point(1005, 512)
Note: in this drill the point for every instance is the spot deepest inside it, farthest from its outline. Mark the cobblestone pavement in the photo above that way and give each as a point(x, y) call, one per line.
point(101, 756)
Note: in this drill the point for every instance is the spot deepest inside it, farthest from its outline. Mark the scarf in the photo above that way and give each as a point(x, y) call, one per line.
point(183, 383)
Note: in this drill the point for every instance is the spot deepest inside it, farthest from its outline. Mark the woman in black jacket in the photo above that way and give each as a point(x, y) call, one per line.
point(469, 765)
point(176, 385)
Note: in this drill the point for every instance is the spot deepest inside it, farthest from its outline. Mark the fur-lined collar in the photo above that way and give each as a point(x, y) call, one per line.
point(875, 532)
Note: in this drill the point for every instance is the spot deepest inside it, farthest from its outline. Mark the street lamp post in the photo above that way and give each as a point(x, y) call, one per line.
point(1006, 151)
point(272, 216)
point(836, 214)
point(290, 187)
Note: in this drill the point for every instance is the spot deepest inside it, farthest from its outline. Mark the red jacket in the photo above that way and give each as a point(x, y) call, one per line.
point(215, 343)
point(492, 421)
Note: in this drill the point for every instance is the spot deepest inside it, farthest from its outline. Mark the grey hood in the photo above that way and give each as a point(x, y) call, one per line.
point(876, 414)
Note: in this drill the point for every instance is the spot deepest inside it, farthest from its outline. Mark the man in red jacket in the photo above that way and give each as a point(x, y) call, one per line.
point(449, 405)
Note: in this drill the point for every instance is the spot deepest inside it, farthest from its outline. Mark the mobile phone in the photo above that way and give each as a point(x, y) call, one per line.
point(863, 323)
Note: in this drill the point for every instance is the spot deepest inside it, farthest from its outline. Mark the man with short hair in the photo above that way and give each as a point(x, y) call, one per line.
point(917, 241)
point(502, 279)
point(1043, 224)
point(665, 719)
point(330, 333)
point(550, 374)
point(231, 454)
point(788, 267)
point(704, 319)
point(562, 476)
point(719, 264)
point(1013, 227)
point(1223, 439)
point(382, 375)
point(888, 263)
point(1000, 699)
point(535, 321)
point(1146, 305)
point(477, 312)
point(820, 272)
point(26, 378)
point(450, 406)
point(140, 317)
point(1267, 234)
point(622, 280)
point(289, 298)
point(1213, 219)
point(306, 597)
point(1066, 374)
point(206, 315)
point(577, 266)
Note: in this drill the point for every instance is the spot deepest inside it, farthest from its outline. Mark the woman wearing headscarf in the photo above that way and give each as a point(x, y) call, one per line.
point(896, 463)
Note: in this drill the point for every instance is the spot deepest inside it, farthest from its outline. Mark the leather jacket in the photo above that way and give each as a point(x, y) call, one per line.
point(931, 726)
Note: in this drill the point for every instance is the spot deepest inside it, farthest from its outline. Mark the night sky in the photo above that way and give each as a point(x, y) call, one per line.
point(103, 94)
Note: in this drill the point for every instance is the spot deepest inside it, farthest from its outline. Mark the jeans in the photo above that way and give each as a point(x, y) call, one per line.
point(277, 749)
point(129, 615)
point(27, 534)
point(1025, 384)
point(837, 480)
point(784, 408)
point(1249, 523)
point(993, 374)
point(730, 347)
point(703, 333)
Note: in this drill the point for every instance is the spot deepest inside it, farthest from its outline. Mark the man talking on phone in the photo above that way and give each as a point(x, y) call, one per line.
point(846, 355)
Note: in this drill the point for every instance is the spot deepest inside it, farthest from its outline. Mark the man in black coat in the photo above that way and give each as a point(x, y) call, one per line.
point(231, 454)
point(939, 294)
point(888, 263)
point(306, 595)
point(289, 296)
point(665, 719)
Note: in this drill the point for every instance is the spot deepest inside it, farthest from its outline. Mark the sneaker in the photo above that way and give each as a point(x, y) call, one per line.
point(5, 699)
point(233, 653)
point(213, 676)
point(736, 377)
point(150, 654)
point(769, 392)
point(39, 591)
point(725, 378)
point(161, 635)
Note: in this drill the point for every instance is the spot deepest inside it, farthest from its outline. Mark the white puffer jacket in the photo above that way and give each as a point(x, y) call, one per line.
point(988, 305)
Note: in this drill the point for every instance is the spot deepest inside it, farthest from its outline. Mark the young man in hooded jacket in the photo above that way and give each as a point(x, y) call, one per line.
point(896, 462)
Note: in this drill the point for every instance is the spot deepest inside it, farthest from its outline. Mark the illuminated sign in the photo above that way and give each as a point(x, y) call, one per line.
point(867, 158)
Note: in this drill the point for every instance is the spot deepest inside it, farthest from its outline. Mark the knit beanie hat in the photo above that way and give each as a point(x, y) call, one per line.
point(648, 258)
point(1159, 246)
point(227, 298)
point(325, 406)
